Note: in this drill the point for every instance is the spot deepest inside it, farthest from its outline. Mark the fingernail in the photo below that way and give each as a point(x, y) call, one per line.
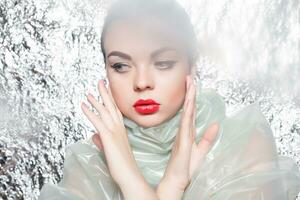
point(194, 80)
point(104, 81)
point(91, 95)
point(83, 104)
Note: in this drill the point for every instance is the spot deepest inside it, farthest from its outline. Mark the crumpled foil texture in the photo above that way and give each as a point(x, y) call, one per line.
point(50, 58)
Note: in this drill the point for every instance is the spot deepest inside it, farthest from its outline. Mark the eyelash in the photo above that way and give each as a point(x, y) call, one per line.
point(117, 66)
point(169, 63)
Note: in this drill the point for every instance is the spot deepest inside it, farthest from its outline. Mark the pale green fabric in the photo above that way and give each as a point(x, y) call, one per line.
point(242, 164)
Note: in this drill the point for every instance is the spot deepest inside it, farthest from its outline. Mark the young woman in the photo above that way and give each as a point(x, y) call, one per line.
point(158, 136)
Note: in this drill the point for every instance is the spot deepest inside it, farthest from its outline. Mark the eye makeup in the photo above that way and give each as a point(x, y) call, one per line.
point(118, 66)
point(168, 63)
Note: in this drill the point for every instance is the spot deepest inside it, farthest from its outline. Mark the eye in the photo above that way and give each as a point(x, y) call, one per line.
point(166, 64)
point(118, 67)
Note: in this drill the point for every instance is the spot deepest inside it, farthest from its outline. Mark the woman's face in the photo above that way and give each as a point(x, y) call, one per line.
point(149, 63)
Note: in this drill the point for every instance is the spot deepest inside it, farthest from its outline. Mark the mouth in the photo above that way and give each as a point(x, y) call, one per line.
point(148, 106)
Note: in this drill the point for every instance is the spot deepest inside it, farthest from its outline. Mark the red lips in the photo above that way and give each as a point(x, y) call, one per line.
point(145, 102)
point(147, 106)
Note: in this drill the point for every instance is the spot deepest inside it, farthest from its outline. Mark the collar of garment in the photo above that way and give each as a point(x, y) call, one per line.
point(210, 108)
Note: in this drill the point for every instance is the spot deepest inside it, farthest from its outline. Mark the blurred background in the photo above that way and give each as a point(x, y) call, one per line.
point(50, 58)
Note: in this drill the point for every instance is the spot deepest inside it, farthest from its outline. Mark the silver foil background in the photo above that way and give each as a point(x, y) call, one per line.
point(50, 57)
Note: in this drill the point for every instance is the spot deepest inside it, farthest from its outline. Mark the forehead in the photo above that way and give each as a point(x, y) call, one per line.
point(140, 35)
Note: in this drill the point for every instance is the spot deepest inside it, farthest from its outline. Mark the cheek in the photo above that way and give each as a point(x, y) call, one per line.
point(118, 95)
point(176, 92)
point(174, 86)
point(117, 91)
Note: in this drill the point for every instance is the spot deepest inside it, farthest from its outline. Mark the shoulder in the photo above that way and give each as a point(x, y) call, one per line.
point(83, 147)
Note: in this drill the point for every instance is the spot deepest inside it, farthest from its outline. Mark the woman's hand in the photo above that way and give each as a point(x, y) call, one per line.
point(111, 137)
point(186, 155)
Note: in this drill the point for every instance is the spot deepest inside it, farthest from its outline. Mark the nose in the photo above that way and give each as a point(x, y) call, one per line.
point(143, 80)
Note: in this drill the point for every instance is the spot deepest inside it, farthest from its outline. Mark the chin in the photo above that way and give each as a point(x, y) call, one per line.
point(148, 121)
point(151, 120)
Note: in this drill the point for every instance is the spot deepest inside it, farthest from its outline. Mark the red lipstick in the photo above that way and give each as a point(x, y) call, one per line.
point(147, 106)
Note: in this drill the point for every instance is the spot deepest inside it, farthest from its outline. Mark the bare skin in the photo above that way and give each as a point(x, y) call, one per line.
point(186, 155)
point(114, 141)
point(144, 75)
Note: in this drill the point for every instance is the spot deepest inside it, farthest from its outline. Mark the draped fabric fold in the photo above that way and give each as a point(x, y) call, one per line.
point(242, 164)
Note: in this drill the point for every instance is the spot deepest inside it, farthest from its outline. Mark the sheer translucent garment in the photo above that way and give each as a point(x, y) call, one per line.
point(242, 164)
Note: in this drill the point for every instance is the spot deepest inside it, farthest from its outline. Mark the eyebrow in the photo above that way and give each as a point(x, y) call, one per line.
point(128, 57)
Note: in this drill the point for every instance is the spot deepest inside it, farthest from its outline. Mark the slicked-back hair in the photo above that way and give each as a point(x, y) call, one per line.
point(168, 11)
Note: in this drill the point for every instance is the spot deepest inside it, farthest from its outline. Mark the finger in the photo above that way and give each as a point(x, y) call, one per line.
point(184, 129)
point(188, 81)
point(186, 118)
point(94, 119)
point(186, 122)
point(208, 139)
point(110, 95)
point(107, 101)
point(211, 133)
point(188, 110)
point(104, 113)
point(193, 128)
point(191, 101)
point(114, 102)
point(97, 141)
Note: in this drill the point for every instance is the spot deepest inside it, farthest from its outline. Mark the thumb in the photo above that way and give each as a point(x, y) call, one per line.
point(97, 141)
point(208, 138)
